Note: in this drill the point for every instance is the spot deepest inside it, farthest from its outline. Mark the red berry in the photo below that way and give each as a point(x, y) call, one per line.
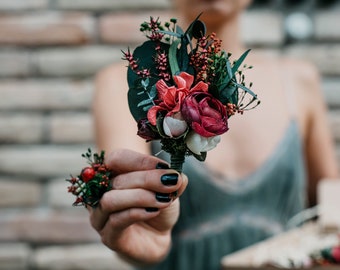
point(336, 254)
point(87, 174)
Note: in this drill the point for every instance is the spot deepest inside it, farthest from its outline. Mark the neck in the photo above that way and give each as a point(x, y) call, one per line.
point(228, 32)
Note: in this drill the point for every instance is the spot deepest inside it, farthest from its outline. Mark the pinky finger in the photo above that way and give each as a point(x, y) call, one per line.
point(113, 231)
point(120, 220)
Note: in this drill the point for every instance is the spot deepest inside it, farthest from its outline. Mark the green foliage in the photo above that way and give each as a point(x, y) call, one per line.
point(142, 92)
point(170, 51)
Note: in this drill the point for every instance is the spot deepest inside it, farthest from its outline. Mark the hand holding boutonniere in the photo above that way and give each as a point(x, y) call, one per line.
point(183, 88)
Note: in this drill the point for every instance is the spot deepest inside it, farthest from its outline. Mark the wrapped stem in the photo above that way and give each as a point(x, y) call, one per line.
point(177, 161)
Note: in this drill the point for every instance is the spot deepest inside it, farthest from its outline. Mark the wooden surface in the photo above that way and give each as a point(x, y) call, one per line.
point(297, 244)
point(294, 245)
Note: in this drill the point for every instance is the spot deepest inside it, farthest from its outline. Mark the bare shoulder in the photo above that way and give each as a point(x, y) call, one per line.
point(305, 78)
point(302, 71)
point(115, 72)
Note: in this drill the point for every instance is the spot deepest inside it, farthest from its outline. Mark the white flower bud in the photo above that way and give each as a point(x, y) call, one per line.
point(197, 143)
point(174, 127)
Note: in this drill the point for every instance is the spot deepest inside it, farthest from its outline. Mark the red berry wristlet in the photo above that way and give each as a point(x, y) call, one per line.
point(93, 181)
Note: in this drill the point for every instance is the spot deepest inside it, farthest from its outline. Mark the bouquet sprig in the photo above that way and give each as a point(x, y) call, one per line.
point(183, 88)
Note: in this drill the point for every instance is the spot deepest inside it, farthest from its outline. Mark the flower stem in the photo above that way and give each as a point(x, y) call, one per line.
point(176, 161)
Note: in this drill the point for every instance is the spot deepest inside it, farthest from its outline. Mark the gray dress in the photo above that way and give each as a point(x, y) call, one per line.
point(219, 216)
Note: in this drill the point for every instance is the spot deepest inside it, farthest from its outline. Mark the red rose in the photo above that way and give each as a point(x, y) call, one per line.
point(170, 98)
point(206, 115)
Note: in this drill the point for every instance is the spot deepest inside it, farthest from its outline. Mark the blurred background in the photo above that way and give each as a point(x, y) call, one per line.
point(49, 53)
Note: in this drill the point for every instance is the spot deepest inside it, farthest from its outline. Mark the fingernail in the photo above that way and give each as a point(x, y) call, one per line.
point(162, 165)
point(163, 197)
point(151, 209)
point(169, 179)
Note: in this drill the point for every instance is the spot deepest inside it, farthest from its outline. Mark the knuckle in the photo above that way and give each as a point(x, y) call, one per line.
point(113, 221)
point(145, 161)
point(107, 202)
point(93, 222)
point(140, 198)
point(147, 177)
point(115, 155)
point(134, 215)
point(114, 158)
point(107, 241)
point(117, 182)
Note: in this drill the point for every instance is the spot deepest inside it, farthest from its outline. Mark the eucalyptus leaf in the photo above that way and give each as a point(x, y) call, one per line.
point(145, 102)
point(229, 94)
point(170, 33)
point(145, 83)
point(139, 96)
point(175, 70)
point(179, 30)
point(153, 91)
point(229, 72)
point(239, 61)
point(147, 108)
point(244, 88)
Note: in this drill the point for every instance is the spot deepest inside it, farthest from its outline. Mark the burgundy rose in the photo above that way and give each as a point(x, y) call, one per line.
point(206, 115)
point(146, 131)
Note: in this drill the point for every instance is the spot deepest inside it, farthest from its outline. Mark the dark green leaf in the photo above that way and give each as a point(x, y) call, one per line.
point(188, 32)
point(244, 88)
point(239, 61)
point(173, 57)
point(179, 30)
point(198, 29)
point(136, 97)
point(200, 157)
point(141, 90)
point(170, 33)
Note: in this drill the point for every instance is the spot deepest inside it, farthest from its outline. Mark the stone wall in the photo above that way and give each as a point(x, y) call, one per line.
point(49, 52)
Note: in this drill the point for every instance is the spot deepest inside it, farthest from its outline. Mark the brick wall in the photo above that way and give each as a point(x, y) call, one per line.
point(49, 52)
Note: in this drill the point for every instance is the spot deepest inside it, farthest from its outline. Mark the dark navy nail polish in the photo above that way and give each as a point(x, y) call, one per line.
point(163, 197)
point(161, 165)
point(151, 209)
point(169, 179)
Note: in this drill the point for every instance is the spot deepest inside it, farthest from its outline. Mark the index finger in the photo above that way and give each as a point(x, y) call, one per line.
point(124, 160)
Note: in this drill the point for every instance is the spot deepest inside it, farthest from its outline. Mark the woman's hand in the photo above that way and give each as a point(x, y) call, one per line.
point(135, 218)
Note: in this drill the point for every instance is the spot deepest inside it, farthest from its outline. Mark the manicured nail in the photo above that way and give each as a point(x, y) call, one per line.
point(169, 179)
point(162, 165)
point(163, 197)
point(151, 209)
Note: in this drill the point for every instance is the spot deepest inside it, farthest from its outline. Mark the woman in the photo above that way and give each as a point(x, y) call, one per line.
point(250, 185)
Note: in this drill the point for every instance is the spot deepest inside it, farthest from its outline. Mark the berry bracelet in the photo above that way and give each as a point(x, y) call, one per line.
point(92, 182)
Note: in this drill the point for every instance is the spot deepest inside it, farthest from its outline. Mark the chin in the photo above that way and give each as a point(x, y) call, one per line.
point(215, 11)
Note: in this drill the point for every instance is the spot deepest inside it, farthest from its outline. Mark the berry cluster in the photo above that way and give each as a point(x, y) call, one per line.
point(327, 256)
point(93, 181)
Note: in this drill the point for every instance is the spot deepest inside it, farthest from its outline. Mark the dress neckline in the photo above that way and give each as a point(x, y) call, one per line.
point(256, 176)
